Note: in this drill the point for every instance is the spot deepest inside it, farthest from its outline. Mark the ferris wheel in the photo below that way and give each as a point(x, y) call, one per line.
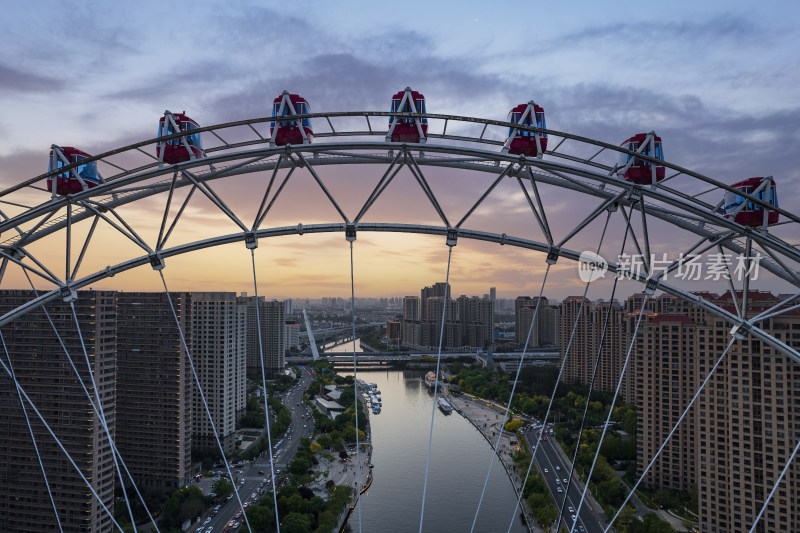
point(55, 228)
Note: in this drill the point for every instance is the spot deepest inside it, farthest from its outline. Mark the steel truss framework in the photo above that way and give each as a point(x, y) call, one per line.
point(575, 163)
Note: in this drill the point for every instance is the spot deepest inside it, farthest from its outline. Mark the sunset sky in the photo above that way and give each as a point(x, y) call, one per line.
point(718, 81)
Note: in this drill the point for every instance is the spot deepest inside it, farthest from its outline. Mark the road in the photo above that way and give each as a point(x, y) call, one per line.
point(284, 450)
point(555, 470)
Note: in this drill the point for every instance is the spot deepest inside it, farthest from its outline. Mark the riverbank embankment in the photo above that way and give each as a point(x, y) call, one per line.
point(487, 419)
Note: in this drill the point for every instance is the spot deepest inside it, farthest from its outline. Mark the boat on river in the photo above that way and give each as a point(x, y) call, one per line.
point(445, 406)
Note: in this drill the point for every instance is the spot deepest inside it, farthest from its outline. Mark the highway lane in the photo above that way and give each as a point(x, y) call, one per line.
point(284, 449)
point(555, 470)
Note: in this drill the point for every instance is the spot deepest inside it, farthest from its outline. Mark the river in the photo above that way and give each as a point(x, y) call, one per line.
point(459, 461)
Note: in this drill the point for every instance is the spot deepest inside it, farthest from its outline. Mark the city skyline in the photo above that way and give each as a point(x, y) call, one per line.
point(464, 222)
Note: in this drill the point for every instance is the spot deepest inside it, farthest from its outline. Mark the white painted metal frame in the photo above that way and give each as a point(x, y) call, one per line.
point(568, 171)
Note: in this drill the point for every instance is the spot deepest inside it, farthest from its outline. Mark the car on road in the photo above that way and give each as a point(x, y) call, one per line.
point(573, 518)
point(571, 510)
point(564, 480)
point(546, 471)
point(559, 490)
point(558, 468)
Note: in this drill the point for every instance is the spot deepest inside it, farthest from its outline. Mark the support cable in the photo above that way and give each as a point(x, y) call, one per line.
point(264, 384)
point(91, 401)
point(355, 384)
point(672, 431)
point(558, 379)
point(594, 370)
point(774, 488)
point(99, 410)
point(30, 430)
point(510, 398)
point(60, 445)
point(611, 410)
point(436, 384)
point(205, 403)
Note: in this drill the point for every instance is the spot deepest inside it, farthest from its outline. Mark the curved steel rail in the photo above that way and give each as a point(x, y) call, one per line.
point(569, 170)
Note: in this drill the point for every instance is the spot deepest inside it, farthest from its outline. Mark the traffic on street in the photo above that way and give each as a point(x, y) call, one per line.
point(555, 471)
point(253, 479)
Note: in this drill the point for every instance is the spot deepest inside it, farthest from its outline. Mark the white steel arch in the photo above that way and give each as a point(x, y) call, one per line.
point(574, 163)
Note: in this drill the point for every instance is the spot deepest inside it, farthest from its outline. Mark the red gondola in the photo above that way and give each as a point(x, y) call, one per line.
point(183, 148)
point(75, 180)
point(288, 131)
point(524, 142)
point(746, 212)
point(408, 130)
point(637, 170)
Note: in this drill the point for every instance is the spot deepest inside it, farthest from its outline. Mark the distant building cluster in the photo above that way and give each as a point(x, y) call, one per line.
point(467, 321)
point(742, 429)
point(136, 365)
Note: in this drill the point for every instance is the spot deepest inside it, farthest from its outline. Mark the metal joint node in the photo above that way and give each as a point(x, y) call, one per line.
point(613, 207)
point(503, 239)
point(109, 273)
point(650, 288)
point(452, 237)
point(552, 256)
point(250, 240)
point(15, 253)
point(740, 331)
point(299, 229)
point(350, 232)
point(68, 294)
point(156, 262)
point(635, 193)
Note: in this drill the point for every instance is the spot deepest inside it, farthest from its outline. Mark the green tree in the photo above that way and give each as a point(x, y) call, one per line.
point(514, 425)
point(222, 487)
point(296, 523)
point(260, 518)
point(650, 524)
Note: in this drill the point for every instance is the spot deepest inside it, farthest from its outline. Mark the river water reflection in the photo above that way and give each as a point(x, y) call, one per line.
point(459, 461)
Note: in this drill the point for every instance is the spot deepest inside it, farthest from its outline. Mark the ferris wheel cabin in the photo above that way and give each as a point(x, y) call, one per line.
point(181, 149)
point(746, 212)
point(78, 178)
point(289, 131)
point(408, 129)
point(638, 170)
point(523, 142)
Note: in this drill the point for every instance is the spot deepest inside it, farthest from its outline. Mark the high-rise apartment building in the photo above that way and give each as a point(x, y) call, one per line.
point(748, 424)
point(667, 373)
point(155, 385)
point(438, 308)
point(740, 433)
point(545, 331)
point(292, 334)
point(607, 341)
point(476, 316)
point(412, 331)
point(576, 334)
point(437, 290)
point(219, 354)
point(45, 373)
point(393, 329)
point(273, 335)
